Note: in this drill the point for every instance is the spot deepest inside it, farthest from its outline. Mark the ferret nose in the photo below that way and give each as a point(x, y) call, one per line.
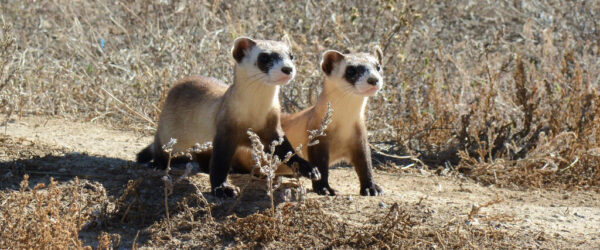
point(373, 81)
point(287, 70)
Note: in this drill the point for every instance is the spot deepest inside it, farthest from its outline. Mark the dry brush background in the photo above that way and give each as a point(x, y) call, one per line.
point(504, 92)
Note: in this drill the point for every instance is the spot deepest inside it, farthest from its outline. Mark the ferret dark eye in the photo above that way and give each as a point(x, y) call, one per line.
point(263, 58)
point(353, 73)
point(350, 71)
point(378, 67)
point(291, 56)
point(265, 61)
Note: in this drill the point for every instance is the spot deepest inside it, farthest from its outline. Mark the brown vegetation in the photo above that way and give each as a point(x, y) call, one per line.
point(42, 217)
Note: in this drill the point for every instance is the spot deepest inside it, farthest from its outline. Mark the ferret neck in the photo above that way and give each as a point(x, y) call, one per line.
point(347, 106)
point(252, 94)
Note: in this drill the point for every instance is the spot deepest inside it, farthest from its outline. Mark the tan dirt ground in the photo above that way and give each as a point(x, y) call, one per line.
point(536, 217)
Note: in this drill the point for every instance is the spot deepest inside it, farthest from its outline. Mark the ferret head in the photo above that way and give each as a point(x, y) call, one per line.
point(265, 61)
point(358, 73)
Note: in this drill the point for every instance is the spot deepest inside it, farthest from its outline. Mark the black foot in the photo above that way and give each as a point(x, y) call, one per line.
point(371, 190)
point(226, 191)
point(323, 188)
point(309, 171)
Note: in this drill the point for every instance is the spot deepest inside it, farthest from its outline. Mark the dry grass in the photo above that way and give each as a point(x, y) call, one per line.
point(307, 225)
point(42, 217)
point(505, 93)
point(508, 92)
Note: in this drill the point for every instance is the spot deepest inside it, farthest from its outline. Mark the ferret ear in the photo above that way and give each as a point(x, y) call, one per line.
point(286, 39)
point(330, 58)
point(379, 55)
point(240, 46)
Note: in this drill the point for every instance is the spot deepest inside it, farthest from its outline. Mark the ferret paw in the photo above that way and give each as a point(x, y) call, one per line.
point(226, 191)
point(371, 190)
point(323, 188)
point(309, 171)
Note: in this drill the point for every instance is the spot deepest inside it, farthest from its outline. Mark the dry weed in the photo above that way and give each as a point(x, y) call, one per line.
point(307, 225)
point(48, 217)
point(266, 163)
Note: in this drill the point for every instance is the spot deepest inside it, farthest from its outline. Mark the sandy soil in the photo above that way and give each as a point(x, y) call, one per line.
point(564, 218)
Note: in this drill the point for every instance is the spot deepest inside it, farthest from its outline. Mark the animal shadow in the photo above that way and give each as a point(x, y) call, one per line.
point(129, 197)
point(132, 196)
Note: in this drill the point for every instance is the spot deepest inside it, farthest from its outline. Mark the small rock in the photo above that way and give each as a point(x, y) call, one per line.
point(472, 222)
point(382, 204)
point(349, 197)
point(429, 211)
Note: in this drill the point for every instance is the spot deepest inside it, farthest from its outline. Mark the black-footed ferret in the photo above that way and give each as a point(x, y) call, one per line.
point(349, 80)
point(199, 109)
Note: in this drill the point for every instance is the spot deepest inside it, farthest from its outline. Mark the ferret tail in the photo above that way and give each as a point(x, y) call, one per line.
point(146, 155)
